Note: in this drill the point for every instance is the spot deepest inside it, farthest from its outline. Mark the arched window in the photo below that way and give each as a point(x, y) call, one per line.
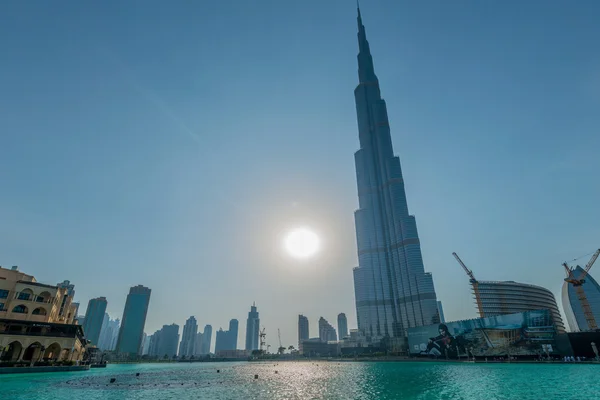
point(39, 311)
point(43, 297)
point(21, 309)
point(26, 294)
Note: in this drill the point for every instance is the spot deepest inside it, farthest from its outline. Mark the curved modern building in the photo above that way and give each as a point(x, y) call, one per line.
point(508, 297)
point(572, 306)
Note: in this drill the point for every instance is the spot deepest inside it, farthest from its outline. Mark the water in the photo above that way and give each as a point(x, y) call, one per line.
point(311, 380)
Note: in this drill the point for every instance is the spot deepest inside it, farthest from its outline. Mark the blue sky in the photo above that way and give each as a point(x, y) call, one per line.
point(172, 144)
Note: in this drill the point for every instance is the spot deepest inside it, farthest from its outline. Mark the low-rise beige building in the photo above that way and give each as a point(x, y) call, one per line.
point(37, 320)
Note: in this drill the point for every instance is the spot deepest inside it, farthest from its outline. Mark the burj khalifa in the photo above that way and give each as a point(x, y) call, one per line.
point(392, 290)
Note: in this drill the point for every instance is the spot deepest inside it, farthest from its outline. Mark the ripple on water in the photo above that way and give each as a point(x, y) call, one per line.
point(310, 380)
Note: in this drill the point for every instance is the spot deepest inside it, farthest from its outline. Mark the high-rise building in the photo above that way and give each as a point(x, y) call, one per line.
point(134, 319)
point(198, 344)
point(94, 318)
point(109, 334)
point(116, 323)
point(102, 338)
point(188, 337)
point(392, 290)
point(572, 305)
point(303, 333)
point(342, 326)
point(326, 331)
point(441, 312)
point(227, 340)
point(252, 329)
point(169, 337)
point(164, 341)
point(146, 345)
point(144, 339)
point(233, 334)
point(221, 340)
point(154, 344)
point(206, 340)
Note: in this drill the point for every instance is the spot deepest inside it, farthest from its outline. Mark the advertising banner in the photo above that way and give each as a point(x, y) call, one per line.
point(530, 333)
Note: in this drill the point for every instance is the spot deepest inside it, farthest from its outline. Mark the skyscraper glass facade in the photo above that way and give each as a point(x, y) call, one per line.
point(134, 319)
point(227, 340)
point(252, 329)
point(327, 332)
point(303, 333)
point(342, 326)
point(94, 318)
point(188, 338)
point(392, 290)
point(206, 339)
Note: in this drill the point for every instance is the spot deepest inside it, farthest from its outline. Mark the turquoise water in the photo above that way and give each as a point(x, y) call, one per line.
point(308, 380)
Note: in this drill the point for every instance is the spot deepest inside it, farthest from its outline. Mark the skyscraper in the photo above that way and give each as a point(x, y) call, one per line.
point(164, 342)
point(252, 329)
point(154, 344)
point(146, 345)
point(206, 340)
point(326, 331)
point(227, 340)
point(109, 334)
point(233, 334)
point(188, 337)
point(94, 317)
point(169, 337)
point(144, 339)
point(342, 326)
point(198, 344)
point(303, 333)
point(134, 319)
point(221, 340)
point(102, 338)
point(392, 290)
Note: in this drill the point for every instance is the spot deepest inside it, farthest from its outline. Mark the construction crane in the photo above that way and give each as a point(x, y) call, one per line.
point(578, 286)
point(262, 335)
point(474, 284)
point(281, 349)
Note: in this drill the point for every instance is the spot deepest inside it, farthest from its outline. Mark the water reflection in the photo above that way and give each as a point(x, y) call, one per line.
point(311, 380)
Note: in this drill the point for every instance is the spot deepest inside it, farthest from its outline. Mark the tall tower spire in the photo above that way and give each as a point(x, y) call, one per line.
point(366, 70)
point(392, 290)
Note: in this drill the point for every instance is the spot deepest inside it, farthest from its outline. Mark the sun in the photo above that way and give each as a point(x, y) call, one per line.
point(301, 243)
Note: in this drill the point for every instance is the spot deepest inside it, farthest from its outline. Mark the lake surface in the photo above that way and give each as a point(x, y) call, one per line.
point(311, 380)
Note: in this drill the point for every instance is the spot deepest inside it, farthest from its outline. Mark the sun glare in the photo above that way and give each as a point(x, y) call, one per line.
point(301, 243)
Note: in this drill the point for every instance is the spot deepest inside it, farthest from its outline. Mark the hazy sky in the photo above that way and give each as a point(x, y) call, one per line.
point(171, 144)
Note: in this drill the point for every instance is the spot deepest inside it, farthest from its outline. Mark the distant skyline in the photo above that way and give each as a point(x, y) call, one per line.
point(176, 158)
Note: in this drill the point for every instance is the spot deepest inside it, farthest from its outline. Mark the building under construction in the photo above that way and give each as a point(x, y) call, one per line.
point(495, 298)
point(581, 297)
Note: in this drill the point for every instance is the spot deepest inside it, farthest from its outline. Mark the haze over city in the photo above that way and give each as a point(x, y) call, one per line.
point(174, 147)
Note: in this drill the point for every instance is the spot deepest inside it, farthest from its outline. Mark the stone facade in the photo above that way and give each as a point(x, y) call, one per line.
point(37, 321)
